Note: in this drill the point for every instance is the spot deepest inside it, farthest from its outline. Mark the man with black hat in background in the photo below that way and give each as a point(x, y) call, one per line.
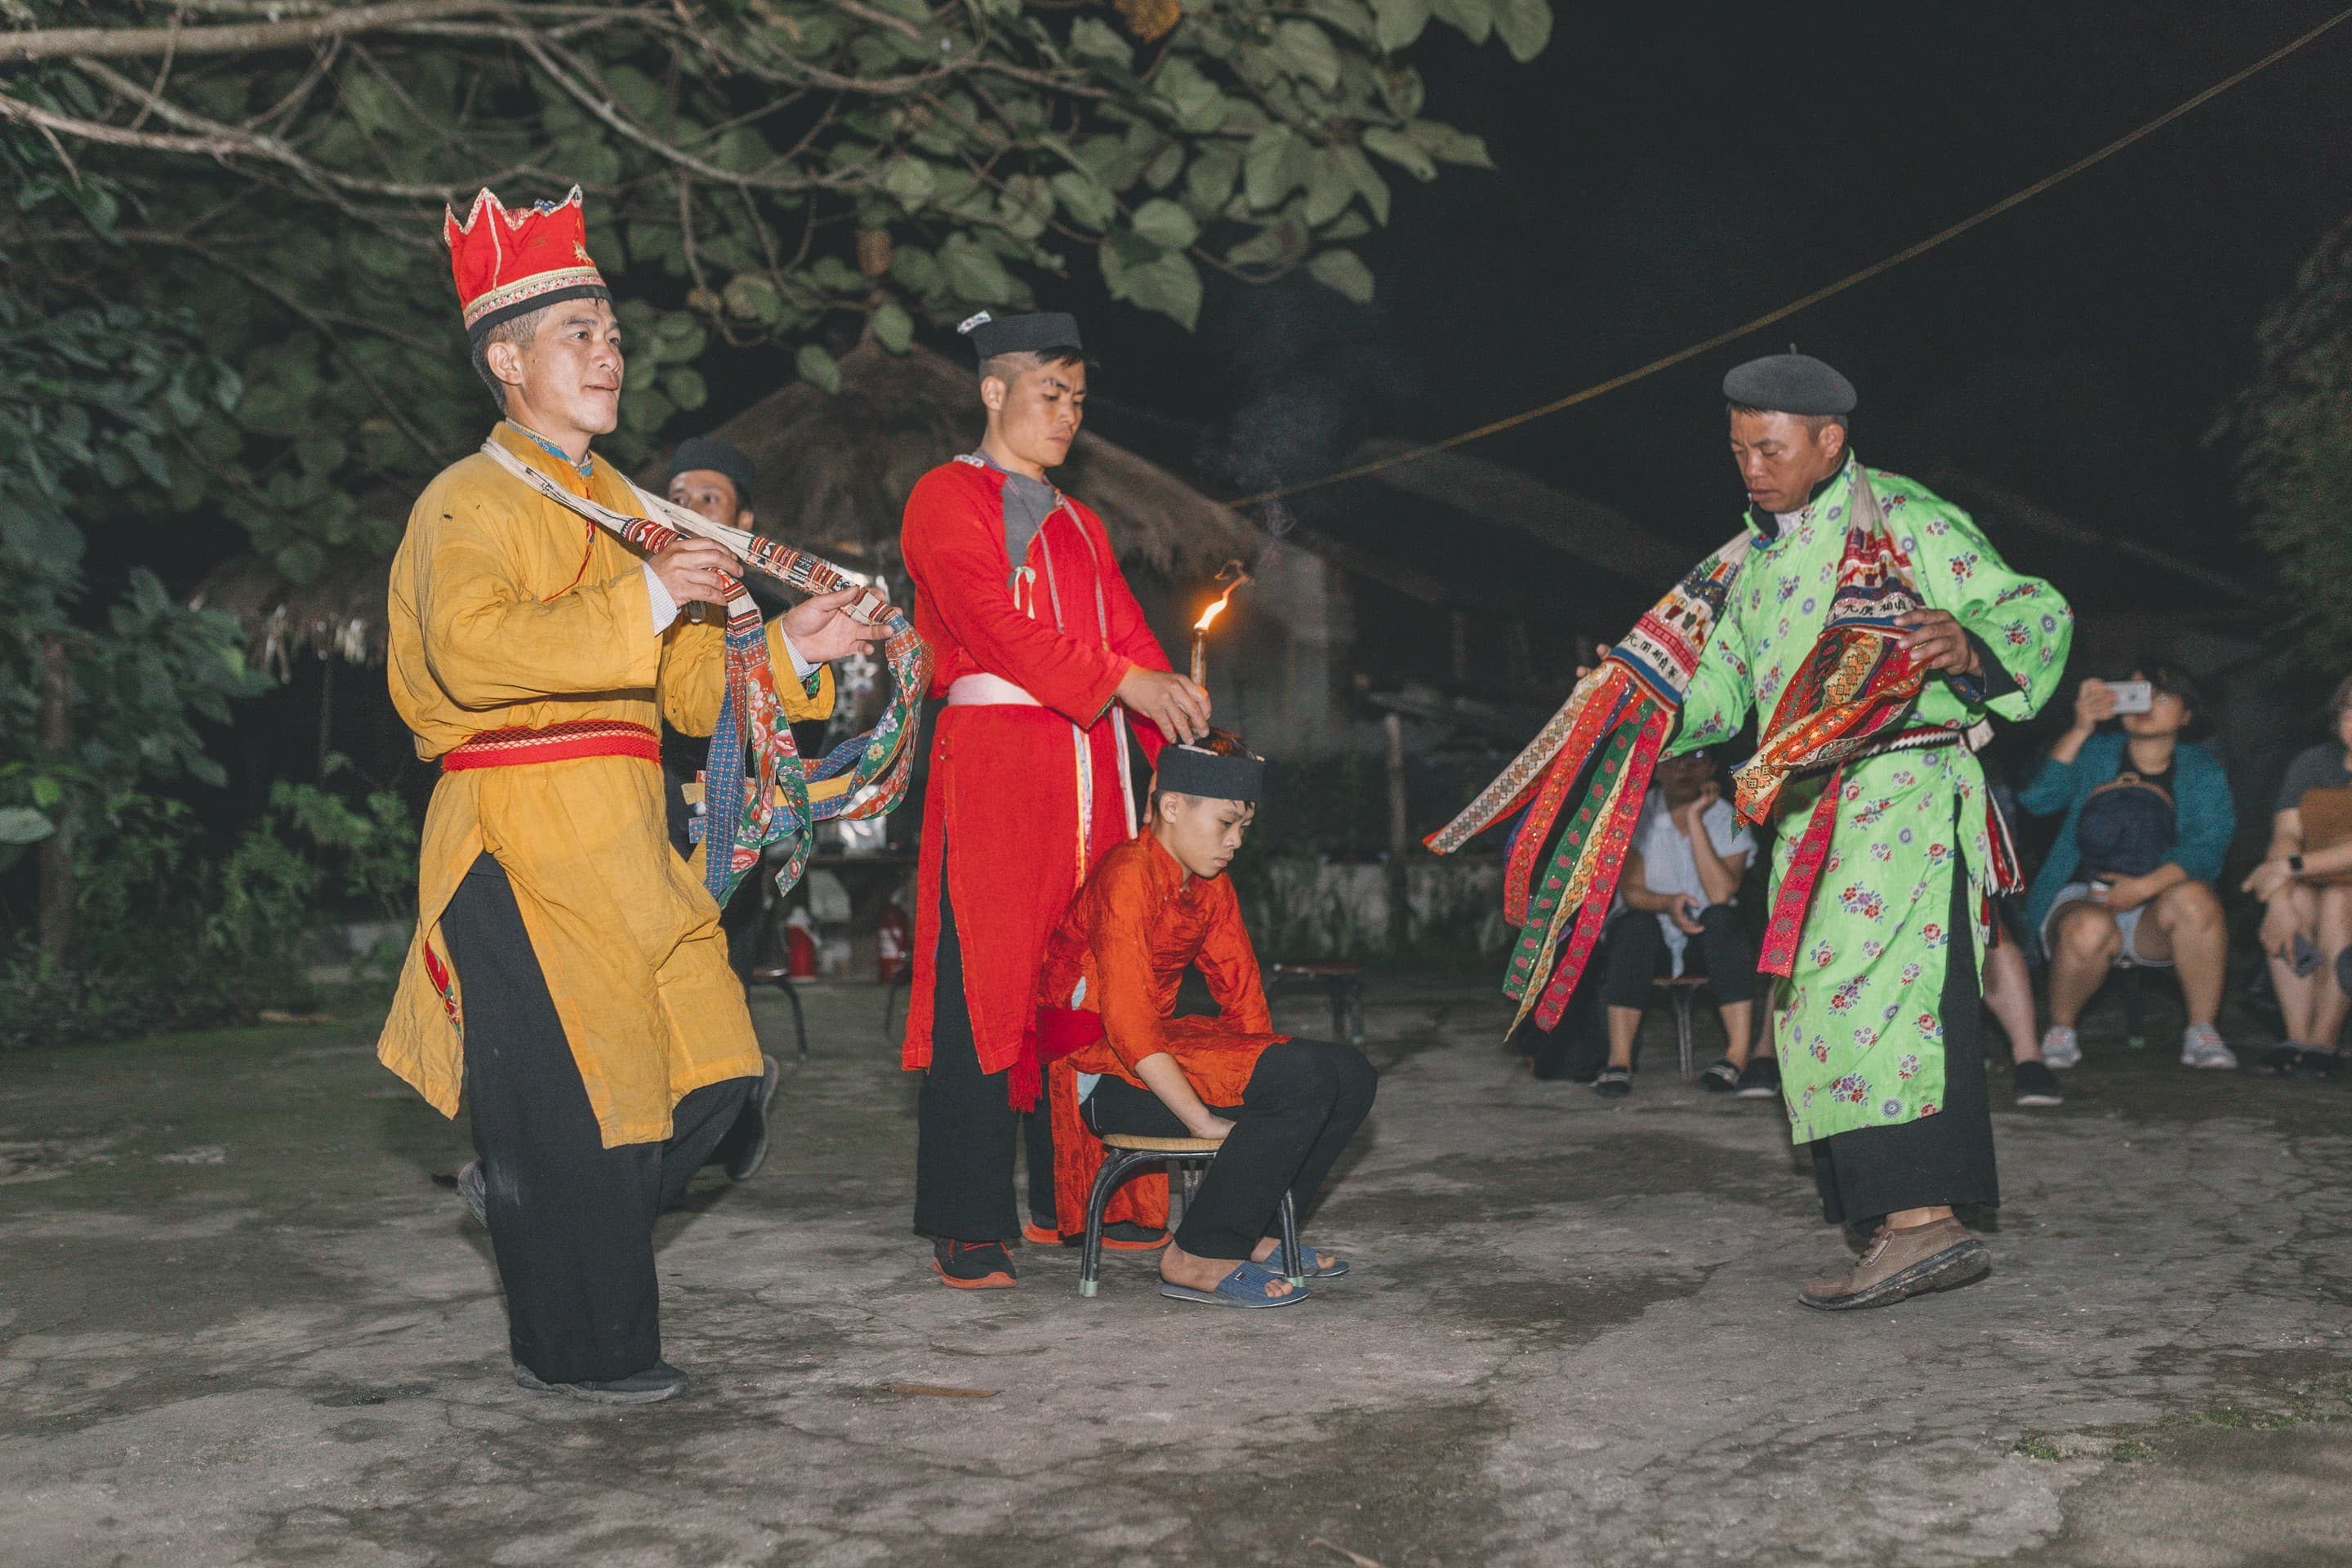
point(1879, 1026)
point(715, 479)
point(1041, 654)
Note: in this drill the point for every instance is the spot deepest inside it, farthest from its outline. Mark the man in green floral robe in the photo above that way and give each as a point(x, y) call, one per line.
point(1879, 1030)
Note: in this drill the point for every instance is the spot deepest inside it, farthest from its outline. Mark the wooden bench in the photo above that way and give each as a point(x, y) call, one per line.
point(1123, 1152)
point(1343, 981)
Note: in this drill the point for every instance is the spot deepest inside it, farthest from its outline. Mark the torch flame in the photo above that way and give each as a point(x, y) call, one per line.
point(1240, 578)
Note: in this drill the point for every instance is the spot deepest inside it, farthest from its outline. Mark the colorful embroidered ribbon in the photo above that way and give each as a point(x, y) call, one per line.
point(1604, 741)
point(782, 796)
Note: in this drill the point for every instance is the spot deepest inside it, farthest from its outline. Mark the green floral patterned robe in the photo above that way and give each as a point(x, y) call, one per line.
point(1857, 1026)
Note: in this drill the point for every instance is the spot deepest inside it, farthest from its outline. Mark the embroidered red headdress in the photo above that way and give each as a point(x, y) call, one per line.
point(507, 263)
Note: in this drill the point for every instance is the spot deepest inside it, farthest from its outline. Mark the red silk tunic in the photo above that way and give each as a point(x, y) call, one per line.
point(1002, 817)
point(1133, 931)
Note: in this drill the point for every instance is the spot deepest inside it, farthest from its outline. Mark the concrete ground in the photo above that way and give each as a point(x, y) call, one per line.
point(240, 1323)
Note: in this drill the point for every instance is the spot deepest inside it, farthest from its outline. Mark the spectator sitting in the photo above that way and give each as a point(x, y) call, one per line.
point(2305, 879)
point(2007, 987)
point(1681, 878)
point(2129, 880)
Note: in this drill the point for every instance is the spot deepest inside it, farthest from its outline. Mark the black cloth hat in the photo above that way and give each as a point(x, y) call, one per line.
point(1789, 384)
point(1020, 334)
point(702, 452)
point(1188, 770)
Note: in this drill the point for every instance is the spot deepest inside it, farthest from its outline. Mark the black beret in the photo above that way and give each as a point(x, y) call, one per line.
point(1789, 384)
point(1188, 770)
point(702, 452)
point(1020, 334)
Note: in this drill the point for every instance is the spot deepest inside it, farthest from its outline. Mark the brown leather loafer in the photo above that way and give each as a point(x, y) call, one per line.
point(1898, 1264)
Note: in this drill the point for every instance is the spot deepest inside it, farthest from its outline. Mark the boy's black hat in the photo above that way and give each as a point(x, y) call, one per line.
point(1196, 771)
point(1020, 334)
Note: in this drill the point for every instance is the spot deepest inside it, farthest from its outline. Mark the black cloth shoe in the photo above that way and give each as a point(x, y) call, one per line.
point(1614, 1083)
point(973, 1265)
point(748, 1139)
point(1760, 1079)
point(2035, 1084)
point(1720, 1079)
point(658, 1382)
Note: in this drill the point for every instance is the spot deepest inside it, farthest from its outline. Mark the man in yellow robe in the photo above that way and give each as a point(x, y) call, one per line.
point(568, 969)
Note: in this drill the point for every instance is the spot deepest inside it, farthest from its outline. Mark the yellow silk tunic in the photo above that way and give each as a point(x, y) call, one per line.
point(511, 612)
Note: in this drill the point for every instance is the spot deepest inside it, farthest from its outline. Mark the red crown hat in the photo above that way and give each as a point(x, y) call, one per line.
point(520, 261)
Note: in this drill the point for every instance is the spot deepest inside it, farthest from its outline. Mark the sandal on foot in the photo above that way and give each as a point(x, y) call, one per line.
point(1307, 1256)
point(1720, 1079)
point(973, 1265)
point(1614, 1083)
point(1244, 1288)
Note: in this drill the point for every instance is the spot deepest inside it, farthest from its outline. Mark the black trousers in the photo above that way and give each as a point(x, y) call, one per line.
point(572, 1221)
point(1946, 1158)
point(965, 1126)
point(1302, 1104)
point(1637, 942)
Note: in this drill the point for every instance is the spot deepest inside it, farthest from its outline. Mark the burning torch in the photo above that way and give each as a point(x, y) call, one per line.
point(1234, 577)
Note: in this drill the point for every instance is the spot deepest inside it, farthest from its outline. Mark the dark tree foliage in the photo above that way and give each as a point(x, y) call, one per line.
point(785, 172)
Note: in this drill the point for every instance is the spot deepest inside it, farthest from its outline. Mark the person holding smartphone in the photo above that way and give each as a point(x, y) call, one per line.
point(2130, 878)
point(1680, 883)
point(2305, 883)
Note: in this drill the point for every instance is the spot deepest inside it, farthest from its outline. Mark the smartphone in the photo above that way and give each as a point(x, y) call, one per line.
point(2133, 695)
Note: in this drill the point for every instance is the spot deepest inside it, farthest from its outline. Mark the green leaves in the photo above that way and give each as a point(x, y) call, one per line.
point(1344, 272)
point(817, 367)
point(1166, 224)
point(785, 175)
point(1525, 26)
point(1166, 284)
point(1399, 22)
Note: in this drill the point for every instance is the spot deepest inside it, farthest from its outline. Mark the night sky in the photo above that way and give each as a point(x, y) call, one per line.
point(1667, 171)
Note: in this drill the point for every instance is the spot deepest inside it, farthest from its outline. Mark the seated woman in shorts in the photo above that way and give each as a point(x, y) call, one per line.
point(2305, 880)
point(2152, 902)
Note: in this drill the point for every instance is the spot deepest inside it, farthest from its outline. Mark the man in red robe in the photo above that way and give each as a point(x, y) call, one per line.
point(1040, 651)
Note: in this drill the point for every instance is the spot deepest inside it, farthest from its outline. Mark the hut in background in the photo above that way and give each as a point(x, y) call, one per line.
point(836, 469)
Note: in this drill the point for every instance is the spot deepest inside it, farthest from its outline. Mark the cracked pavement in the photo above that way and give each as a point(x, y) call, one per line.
point(239, 1323)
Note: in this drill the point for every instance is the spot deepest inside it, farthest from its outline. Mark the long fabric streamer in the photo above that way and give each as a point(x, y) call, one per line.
point(1597, 751)
point(782, 796)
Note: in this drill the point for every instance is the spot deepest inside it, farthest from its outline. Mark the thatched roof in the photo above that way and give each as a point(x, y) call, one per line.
point(836, 469)
point(341, 610)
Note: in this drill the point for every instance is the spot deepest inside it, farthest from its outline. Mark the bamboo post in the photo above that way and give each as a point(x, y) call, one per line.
point(1400, 908)
point(54, 858)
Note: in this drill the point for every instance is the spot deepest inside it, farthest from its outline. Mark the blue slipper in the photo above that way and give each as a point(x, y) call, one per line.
point(1338, 1266)
point(1244, 1287)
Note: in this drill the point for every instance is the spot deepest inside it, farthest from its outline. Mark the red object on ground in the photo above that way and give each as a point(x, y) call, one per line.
point(800, 952)
point(890, 937)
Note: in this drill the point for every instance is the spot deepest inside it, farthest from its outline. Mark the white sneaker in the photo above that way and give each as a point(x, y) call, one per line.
point(2059, 1047)
point(2201, 1046)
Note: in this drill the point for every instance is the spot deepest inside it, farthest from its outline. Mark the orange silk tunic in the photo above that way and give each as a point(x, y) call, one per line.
point(512, 612)
point(1132, 931)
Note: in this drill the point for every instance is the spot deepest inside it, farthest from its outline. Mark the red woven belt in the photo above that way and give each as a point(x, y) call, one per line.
point(555, 743)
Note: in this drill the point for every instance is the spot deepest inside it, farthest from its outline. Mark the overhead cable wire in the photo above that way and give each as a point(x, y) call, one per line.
point(1886, 264)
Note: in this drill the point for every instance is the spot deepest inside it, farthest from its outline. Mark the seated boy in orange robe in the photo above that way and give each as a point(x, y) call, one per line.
point(1284, 1108)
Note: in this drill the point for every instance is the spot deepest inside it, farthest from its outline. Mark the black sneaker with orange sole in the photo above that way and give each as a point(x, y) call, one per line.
point(973, 1265)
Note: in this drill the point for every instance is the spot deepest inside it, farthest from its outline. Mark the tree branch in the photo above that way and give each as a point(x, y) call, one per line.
point(116, 43)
